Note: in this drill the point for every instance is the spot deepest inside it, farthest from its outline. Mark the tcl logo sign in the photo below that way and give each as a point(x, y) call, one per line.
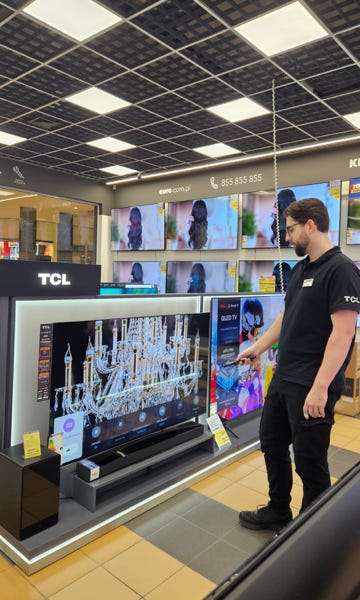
point(53, 279)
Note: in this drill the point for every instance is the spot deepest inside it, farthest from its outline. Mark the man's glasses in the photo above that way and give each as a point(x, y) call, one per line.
point(291, 227)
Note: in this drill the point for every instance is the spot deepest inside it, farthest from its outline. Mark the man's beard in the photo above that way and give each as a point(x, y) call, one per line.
point(300, 249)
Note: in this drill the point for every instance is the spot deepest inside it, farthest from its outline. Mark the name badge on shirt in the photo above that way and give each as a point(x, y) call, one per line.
point(307, 282)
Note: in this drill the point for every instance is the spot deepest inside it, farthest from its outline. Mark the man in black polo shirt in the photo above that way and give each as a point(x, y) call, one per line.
point(316, 334)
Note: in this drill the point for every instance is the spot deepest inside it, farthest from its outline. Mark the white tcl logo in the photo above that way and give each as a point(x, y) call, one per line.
point(353, 299)
point(354, 162)
point(53, 279)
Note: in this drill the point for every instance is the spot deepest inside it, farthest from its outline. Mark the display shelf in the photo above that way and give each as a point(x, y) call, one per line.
point(141, 487)
point(147, 476)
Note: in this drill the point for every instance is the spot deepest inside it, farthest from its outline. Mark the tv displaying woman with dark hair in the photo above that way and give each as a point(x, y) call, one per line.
point(198, 235)
point(197, 279)
point(137, 274)
point(135, 229)
point(284, 198)
point(286, 271)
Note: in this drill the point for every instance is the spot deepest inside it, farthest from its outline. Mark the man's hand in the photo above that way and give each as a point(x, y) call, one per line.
point(315, 402)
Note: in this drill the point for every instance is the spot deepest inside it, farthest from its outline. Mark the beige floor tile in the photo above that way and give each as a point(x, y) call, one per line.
point(14, 586)
point(240, 497)
point(55, 577)
point(350, 423)
point(236, 471)
point(185, 584)
point(255, 459)
point(354, 445)
point(111, 544)
point(4, 563)
point(143, 567)
point(99, 584)
point(257, 480)
point(211, 485)
point(339, 440)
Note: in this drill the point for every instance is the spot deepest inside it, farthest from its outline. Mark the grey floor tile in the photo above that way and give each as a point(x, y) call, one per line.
point(214, 517)
point(246, 540)
point(183, 502)
point(151, 521)
point(218, 561)
point(182, 539)
point(346, 456)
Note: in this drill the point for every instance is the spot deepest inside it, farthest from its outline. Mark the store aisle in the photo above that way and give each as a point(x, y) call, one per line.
point(182, 548)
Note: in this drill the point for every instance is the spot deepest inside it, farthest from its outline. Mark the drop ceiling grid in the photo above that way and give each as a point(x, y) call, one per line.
point(171, 59)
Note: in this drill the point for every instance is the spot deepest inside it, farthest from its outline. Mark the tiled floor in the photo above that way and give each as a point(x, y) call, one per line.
point(182, 548)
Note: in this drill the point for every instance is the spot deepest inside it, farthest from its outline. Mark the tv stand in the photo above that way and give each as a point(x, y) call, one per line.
point(135, 451)
point(144, 470)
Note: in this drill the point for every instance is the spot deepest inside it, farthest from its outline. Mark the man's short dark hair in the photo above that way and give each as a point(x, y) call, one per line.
point(309, 208)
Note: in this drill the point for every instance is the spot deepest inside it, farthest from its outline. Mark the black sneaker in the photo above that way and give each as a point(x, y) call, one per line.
point(264, 518)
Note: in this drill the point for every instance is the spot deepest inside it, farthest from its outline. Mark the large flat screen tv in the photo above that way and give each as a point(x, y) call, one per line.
point(138, 227)
point(153, 272)
point(113, 381)
point(237, 390)
point(203, 224)
point(353, 220)
point(256, 275)
point(200, 277)
point(259, 226)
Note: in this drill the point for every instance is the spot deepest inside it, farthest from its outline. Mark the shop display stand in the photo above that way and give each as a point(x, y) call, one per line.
point(140, 479)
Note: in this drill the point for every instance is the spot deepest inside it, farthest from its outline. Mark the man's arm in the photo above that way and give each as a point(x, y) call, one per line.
point(337, 347)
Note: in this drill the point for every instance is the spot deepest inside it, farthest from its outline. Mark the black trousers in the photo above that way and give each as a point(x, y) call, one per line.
point(282, 424)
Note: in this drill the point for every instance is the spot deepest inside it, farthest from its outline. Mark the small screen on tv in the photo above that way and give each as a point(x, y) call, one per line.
point(138, 227)
point(115, 380)
point(237, 390)
point(353, 220)
point(200, 277)
point(264, 275)
point(140, 272)
point(260, 228)
point(204, 224)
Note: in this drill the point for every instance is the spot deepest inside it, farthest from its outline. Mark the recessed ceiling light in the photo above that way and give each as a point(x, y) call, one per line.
point(118, 170)
point(216, 150)
point(97, 100)
point(8, 139)
point(353, 119)
point(110, 144)
point(282, 29)
point(79, 19)
point(238, 110)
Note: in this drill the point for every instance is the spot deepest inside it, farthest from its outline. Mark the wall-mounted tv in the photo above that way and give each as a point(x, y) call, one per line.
point(353, 220)
point(140, 272)
point(235, 322)
point(203, 224)
point(264, 275)
point(138, 227)
point(259, 227)
point(115, 380)
point(200, 277)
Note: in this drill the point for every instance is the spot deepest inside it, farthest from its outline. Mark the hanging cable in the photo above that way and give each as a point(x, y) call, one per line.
point(277, 216)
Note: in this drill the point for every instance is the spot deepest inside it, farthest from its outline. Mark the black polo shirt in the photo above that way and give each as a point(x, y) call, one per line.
point(316, 290)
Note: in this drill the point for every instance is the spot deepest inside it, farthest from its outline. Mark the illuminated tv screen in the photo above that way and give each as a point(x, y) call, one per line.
point(353, 220)
point(236, 322)
point(203, 224)
point(115, 380)
point(138, 227)
point(200, 277)
point(259, 224)
point(264, 275)
point(152, 272)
